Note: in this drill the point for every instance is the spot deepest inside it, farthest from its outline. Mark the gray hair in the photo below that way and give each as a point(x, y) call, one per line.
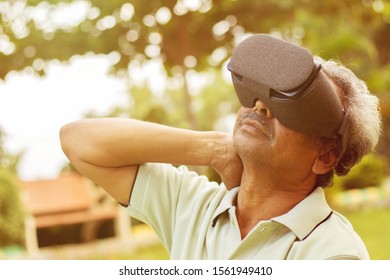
point(362, 108)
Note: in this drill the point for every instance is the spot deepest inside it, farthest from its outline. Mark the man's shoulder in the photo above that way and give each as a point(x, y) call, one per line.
point(334, 239)
point(176, 177)
point(168, 170)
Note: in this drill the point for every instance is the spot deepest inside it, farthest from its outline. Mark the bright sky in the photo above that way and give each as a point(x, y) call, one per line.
point(32, 109)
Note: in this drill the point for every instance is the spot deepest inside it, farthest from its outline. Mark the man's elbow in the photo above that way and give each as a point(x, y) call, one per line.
point(68, 138)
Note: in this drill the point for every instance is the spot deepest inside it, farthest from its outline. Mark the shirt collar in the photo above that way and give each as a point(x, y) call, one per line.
point(301, 220)
point(226, 203)
point(306, 215)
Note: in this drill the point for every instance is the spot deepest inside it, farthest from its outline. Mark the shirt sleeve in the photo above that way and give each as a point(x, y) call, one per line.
point(162, 194)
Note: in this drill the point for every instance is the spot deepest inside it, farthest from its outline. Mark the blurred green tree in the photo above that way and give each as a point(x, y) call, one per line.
point(193, 35)
point(11, 210)
point(190, 37)
point(370, 172)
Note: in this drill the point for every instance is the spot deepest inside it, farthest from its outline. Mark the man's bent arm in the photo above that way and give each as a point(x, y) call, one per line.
point(109, 151)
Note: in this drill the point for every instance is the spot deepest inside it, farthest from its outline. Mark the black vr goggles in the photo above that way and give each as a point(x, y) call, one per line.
point(294, 88)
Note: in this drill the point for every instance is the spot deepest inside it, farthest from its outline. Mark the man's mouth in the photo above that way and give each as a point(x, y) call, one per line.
point(255, 122)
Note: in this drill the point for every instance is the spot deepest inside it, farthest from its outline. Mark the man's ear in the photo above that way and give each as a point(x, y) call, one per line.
point(326, 159)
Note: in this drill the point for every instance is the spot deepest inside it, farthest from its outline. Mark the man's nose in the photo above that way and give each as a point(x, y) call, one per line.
point(260, 107)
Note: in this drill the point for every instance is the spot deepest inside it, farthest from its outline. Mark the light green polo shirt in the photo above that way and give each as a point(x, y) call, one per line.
point(196, 219)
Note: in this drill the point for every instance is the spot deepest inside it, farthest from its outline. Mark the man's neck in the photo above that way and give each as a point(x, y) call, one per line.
point(264, 195)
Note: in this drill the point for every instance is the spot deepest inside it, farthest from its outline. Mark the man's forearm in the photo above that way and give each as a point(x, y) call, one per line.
point(114, 142)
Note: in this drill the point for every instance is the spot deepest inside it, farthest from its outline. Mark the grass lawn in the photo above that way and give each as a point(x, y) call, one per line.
point(373, 226)
point(155, 252)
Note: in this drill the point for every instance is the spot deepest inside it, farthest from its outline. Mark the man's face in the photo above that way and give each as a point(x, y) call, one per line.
point(261, 140)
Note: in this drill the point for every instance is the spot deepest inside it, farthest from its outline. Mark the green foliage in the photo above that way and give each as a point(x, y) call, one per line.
point(355, 32)
point(372, 227)
point(11, 213)
point(371, 171)
point(216, 100)
point(206, 32)
point(213, 102)
point(8, 160)
point(358, 28)
point(152, 252)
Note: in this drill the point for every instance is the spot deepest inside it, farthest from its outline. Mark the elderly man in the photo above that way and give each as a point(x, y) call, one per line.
point(303, 119)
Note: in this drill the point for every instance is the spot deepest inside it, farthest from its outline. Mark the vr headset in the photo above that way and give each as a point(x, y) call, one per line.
point(294, 88)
